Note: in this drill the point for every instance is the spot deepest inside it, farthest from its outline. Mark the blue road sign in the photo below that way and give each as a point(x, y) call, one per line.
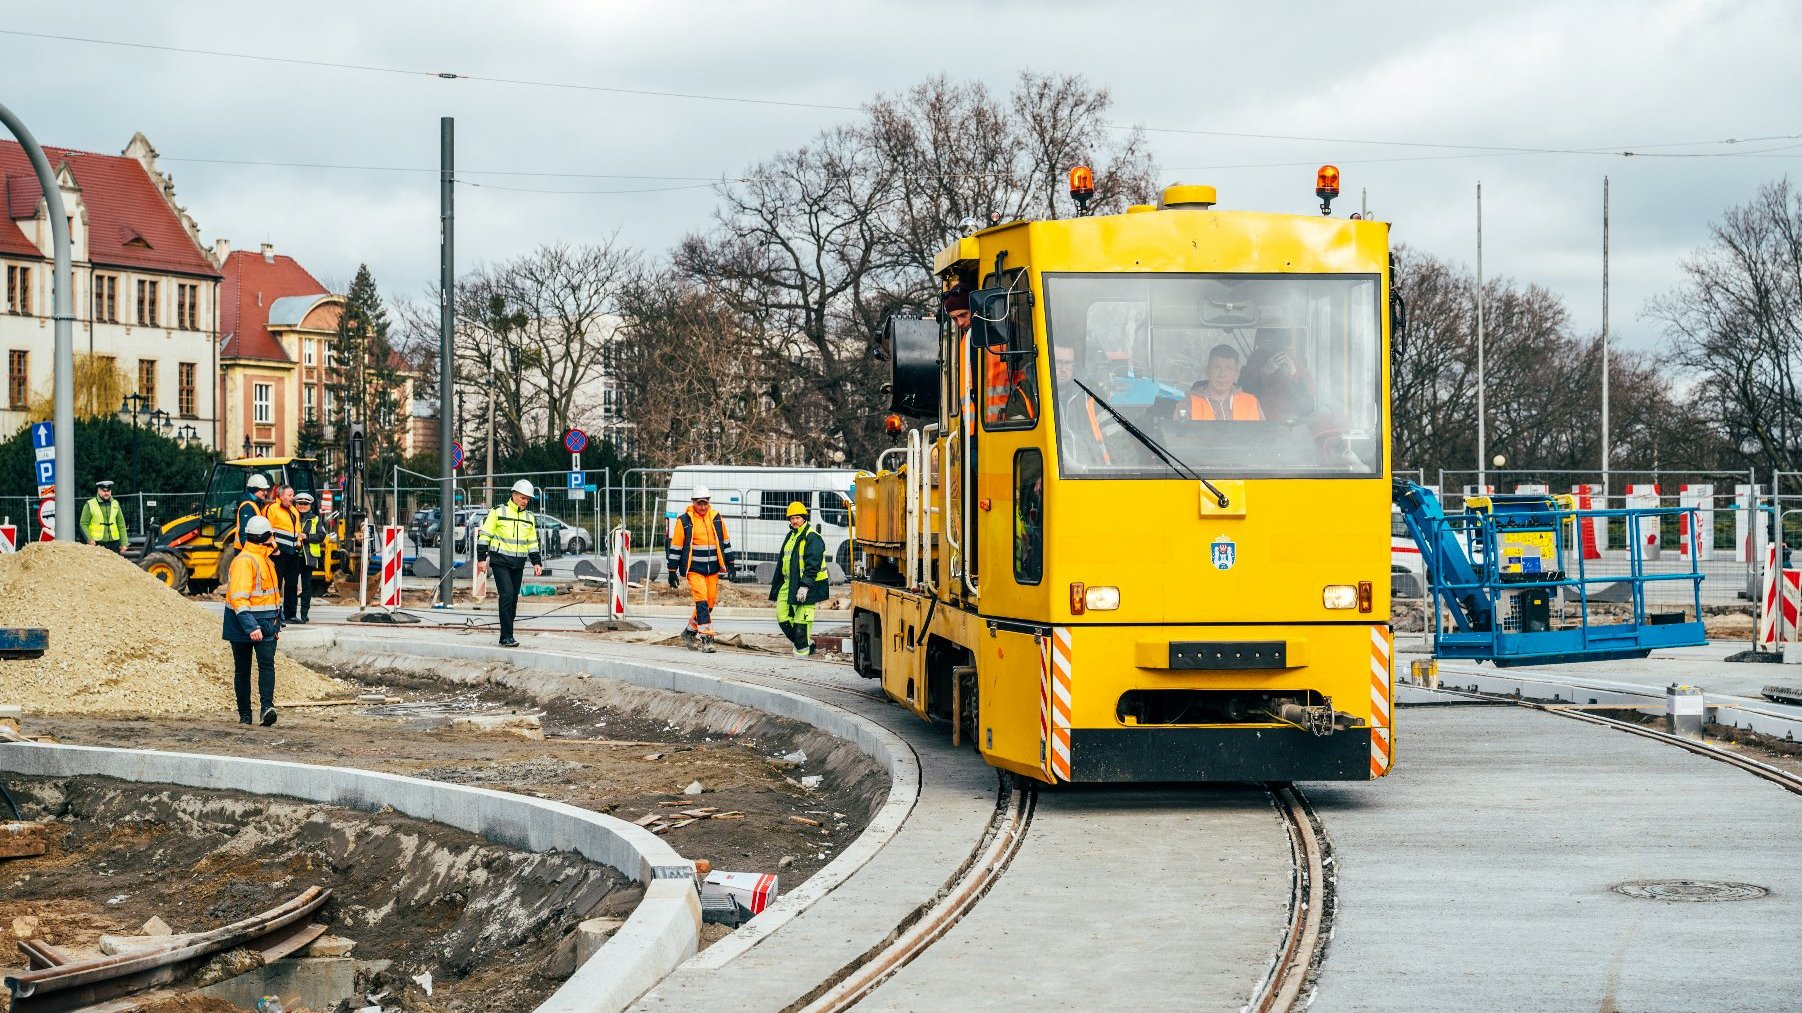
point(577, 479)
point(46, 471)
point(575, 441)
point(456, 455)
point(42, 435)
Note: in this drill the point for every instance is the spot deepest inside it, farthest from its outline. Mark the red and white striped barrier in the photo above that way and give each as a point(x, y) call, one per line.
point(622, 549)
point(9, 538)
point(1780, 602)
point(1594, 534)
point(391, 562)
point(1698, 540)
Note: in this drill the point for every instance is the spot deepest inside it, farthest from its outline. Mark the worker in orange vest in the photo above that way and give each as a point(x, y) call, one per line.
point(1218, 397)
point(699, 551)
point(253, 618)
point(284, 521)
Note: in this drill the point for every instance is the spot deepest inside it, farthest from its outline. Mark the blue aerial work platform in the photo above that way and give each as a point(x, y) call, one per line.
point(1497, 567)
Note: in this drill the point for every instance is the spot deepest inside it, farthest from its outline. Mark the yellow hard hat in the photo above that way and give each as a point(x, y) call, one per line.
point(797, 509)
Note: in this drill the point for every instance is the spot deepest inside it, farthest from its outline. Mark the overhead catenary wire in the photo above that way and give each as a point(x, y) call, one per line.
point(1615, 150)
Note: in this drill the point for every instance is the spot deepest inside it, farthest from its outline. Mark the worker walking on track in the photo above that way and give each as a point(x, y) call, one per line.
point(253, 618)
point(313, 535)
point(284, 522)
point(699, 551)
point(800, 580)
point(507, 540)
point(102, 522)
point(250, 504)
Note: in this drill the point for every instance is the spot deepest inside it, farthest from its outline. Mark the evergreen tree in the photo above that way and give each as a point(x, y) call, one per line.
point(365, 383)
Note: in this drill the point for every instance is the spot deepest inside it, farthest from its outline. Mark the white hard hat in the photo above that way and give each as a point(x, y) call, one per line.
point(525, 487)
point(256, 481)
point(701, 492)
point(256, 526)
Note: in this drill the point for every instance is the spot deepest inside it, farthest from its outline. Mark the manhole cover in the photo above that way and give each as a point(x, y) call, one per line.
point(1690, 890)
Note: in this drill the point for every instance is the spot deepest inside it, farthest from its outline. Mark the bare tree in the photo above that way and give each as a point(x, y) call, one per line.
point(1737, 322)
point(691, 376)
point(1543, 383)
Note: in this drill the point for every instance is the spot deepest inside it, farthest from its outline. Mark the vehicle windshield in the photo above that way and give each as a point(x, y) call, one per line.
point(1236, 375)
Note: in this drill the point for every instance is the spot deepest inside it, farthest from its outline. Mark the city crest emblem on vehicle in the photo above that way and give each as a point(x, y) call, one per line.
point(1223, 553)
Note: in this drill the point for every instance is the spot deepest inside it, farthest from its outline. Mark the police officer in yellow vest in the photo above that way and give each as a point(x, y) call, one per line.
point(102, 522)
point(253, 617)
point(314, 533)
point(508, 539)
point(800, 580)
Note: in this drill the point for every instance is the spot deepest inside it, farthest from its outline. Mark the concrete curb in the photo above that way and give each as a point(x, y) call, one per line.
point(882, 745)
point(662, 931)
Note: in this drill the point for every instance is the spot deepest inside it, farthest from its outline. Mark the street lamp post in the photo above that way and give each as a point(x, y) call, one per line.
point(130, 407)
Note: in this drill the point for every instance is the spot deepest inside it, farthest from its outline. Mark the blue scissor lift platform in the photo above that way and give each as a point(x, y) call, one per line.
point(1496, 568)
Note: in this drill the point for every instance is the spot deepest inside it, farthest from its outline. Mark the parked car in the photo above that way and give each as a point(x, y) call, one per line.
point(554, 536)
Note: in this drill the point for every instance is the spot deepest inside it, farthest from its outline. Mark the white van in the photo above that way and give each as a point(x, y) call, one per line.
point(754, 503)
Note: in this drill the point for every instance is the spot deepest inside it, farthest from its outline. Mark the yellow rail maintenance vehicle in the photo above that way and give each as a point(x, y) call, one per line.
point(1139, 530)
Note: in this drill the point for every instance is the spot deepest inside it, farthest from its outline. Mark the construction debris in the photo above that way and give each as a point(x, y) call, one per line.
point(21, 839)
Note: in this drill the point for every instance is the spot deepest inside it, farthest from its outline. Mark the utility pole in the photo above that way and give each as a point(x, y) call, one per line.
point(1482, 414)
point(447, 324)
point(62, 312)
point(1605, 447)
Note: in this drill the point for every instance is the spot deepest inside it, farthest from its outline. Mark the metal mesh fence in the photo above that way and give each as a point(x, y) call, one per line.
point(1727, 511)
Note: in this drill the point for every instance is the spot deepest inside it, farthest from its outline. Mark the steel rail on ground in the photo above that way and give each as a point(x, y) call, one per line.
point(62, 985)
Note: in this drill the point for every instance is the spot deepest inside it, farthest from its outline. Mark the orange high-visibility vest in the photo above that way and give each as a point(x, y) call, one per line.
point(1241, 407)
point(999, 382)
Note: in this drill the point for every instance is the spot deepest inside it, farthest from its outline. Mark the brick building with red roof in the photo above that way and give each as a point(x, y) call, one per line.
point(276, 324)
point(146, 292)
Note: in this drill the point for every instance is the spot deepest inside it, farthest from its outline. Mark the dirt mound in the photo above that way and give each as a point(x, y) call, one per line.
point(120, 641)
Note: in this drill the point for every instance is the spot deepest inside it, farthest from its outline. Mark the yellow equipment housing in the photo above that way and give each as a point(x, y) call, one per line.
point(1076, 599)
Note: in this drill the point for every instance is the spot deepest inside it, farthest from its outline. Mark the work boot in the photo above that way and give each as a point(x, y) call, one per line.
point(268, 716)
point(706, 644)
point(509, 642)
point(244, 719)
point(804, 652)
point(689, 639)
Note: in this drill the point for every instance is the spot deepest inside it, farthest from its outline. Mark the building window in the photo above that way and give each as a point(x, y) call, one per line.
point(187, 307)
point(263, 397)
point(18, 289)
point(16, 396)
point(147, 316)
point(307, 347)
point(147, 383)
point(186, 390)
point(312, 395)
point(265, 450)
point(106, 298)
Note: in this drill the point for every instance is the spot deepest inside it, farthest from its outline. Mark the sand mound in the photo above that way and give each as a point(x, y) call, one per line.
point(120, 641)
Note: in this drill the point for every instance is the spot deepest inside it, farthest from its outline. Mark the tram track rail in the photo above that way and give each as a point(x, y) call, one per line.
point(1788, 780)
point(1304, 939)
point(929, 923)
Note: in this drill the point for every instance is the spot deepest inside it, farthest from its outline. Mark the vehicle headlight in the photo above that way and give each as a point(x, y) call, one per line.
point(1339, 596)
point(1102, 599)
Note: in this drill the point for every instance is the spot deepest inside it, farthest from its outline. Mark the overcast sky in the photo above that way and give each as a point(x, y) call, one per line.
point(1520, 74)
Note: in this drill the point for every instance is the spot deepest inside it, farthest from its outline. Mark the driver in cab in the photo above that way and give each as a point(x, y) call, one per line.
point(1217, 398)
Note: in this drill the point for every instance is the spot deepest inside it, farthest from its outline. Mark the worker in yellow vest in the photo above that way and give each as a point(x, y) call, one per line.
point(507, 540)
point(800, 581)
point(102, 522)
point(253, 618)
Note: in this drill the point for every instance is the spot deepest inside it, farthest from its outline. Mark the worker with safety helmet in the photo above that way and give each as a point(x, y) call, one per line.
point(314, 533)
point(800, 581)
point(102, 522)
point(250, 504)
point(284, 521)
point(699, 551)
point(253, 616)
point(506, 541)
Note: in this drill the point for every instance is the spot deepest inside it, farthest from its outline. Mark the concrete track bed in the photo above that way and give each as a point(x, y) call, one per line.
point(484, 919)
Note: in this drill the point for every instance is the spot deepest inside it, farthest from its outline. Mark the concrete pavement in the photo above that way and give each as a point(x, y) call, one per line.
point(1479, 874)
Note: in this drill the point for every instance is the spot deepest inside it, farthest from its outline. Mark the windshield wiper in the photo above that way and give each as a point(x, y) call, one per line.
point(1176, 464)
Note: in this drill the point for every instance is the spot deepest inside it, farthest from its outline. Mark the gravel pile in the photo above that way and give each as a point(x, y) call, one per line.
point(120, 641)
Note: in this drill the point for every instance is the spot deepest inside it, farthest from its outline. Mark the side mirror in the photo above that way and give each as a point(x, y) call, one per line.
point(990, 324)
